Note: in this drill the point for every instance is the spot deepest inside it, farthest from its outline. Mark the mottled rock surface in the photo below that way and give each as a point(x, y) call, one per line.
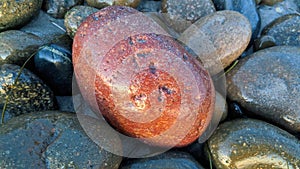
point(58, 8)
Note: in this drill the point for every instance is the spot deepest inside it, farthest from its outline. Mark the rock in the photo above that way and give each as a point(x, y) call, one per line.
point(269, 13)
point(50, 139)
point(285, 30)
point(235, 111)
point(14, 14)
point(247, 8)
point(168, 160)
point(65, 103)
point(149, 6)
point(248, 143)
point(181, 14)
point(28, 95)
point(218, 39)
point(75, 16)
point(104, 3)
point(17, 46)
point(49, 29)
point(58, 8)
point(263, 42)
point(267, 84)
point(270, 2)
point(54, 65)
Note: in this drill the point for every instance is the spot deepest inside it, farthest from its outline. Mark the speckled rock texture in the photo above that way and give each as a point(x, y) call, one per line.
point(267, 84)
point(216, 41)
point(58, 8)
point(17, 46)
point(28, 95)
point(249, 143)
point(50, 139)
point(104, 3)
point(75, 16)
point(14, 14)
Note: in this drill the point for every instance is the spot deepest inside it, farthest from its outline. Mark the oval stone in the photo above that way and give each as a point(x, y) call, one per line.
point(168, 160)
point(28, 95)
point(267, 83)
point(218, 39)
point(17, 13)
point(249, 143)
point(285, 30)
point(51, 139)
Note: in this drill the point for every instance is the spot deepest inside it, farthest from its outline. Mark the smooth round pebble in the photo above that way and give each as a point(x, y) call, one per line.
point(218, 39)
point(249, 143)
point(181, 14)
point(50, 139)
point(17, 46)
point(54, 65)
point(247, 8)
point(104, 3)
point(15, 13)
point(267, 84)
point(75, 16)
point(285, 30)
point(168, 160)
point(28, 95)
point(58, 8)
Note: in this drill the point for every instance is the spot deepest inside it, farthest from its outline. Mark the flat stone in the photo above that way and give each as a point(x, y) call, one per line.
point(267, 84)
point(53, 64)
point(181, 14)
point(17, 46)
point(58, 8)
point(218, 39)
point(28, 95)
point(50, 139)
point(285, 30)
point(14, 14)
point(104, 3)
point(168, 160)
point(75, 16)
point(49, 29)
point(247, 8)
point(249, 143)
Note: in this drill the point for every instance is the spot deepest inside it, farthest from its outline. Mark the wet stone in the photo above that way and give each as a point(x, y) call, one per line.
point(58, 8)
point(54, 65)
point(249, 143)
point(218, 39)
point(75, 16)
point(149, 6)
point(14, 14)
point(269, 13)
point(49, 29)
point(285, 30)
point(104, 3)
point(267, 84)
point(264, 42)
point(28, 95)
point(247, 8)
point(181, 14)
point(168, 160)
point(50, 139)
point(17, 46)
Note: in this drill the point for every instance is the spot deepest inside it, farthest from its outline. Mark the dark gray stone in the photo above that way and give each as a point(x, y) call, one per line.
point(285, 30)
point(17, 46)
point(75, 16)
point(249, 143)
point(54, 65)
point(65, 103)
point(50, 139)
point(247, 8)
point(58, 8)
point(267, 84)
point(14, 14)
point(29, 94)
point(264, 42)
point(168, 160)
point(149, 6)
point(49, 29)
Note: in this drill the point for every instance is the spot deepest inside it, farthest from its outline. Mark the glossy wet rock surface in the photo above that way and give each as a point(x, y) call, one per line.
point(267, 84)
point(28, 95)
point(248, 143)
point(50, 139)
